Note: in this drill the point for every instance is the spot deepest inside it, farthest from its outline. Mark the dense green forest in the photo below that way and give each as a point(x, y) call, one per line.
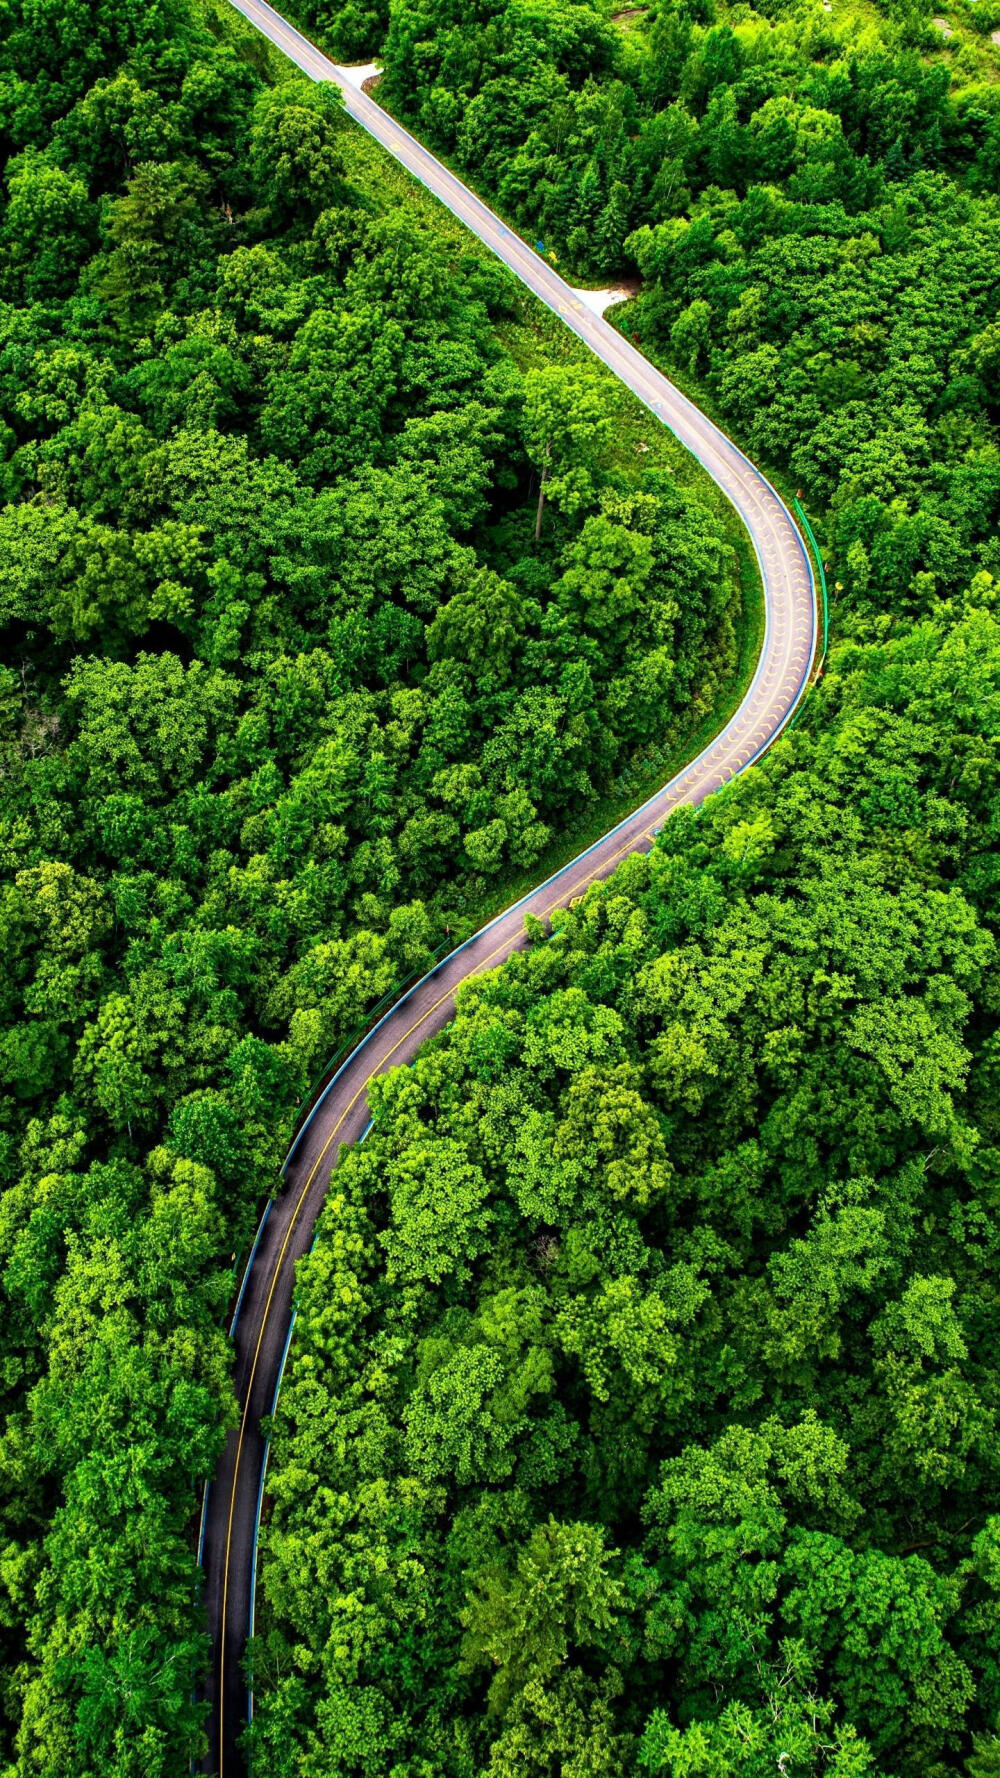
point(811, 204)
point(288, 688)
point(642, 1414)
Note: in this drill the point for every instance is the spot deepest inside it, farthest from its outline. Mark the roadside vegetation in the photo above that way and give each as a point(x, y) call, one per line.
point(288, 688)
point(810, 201)
point(642, 1414)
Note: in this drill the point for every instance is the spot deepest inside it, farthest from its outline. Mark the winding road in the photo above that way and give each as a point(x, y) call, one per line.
point(263, 1321)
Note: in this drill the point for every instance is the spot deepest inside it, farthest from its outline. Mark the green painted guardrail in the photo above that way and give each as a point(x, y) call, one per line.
point(448, 943)
point(803, 518)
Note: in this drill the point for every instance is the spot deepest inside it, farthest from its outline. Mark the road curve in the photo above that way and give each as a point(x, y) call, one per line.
point(263, 1320)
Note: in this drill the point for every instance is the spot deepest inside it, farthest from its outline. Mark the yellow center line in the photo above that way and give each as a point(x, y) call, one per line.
point(506, 945)
point(742, 488)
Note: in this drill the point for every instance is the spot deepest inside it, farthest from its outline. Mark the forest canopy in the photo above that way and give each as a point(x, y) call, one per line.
point(642, 1414)
point(809, 197)
point(642, 1410)
point(288, 688)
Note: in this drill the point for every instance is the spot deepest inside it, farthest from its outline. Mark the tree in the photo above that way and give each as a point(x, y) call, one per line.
point(295, 158)
point(481, 625)
point(567, 1726)
point(788, 1727)
point(984, 1760)
point(49, 228)
point(565, 424)
point(558, 1596)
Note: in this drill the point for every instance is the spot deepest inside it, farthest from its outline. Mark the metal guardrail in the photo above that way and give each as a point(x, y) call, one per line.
point(803, 518)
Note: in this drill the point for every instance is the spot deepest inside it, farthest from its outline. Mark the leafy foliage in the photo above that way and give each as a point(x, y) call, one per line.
point(717, 1341)
point(680, 1456)
point(286, 686)
point(812, 206)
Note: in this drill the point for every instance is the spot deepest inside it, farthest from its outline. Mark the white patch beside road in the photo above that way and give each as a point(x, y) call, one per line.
point(599, 300)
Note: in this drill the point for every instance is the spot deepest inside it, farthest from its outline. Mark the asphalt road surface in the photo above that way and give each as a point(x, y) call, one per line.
point(262, 1326)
